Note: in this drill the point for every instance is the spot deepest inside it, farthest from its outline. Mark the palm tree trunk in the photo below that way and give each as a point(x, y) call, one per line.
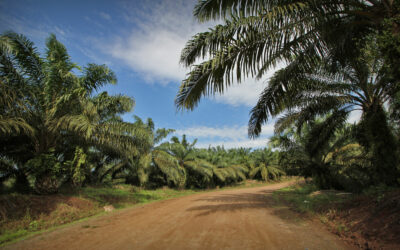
point(21, 183)
point(377, 137)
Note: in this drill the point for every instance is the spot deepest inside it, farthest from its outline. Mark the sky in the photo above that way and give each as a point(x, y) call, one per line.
point(141, 41)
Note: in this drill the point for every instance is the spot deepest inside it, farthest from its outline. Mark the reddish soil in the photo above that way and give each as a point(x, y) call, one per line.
point(229, 219)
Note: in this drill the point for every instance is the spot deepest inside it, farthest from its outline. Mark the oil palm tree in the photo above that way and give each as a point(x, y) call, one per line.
point(265, 166)
point(326, 150)
point(11, 120)
point(149, 164)
point(256, 35)
point(298, 96)
point(227, 167)
point(197, 172)
point(51, 109)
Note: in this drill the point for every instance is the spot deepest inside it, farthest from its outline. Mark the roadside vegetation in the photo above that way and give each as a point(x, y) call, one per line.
point(368, 220)
point(22, 214)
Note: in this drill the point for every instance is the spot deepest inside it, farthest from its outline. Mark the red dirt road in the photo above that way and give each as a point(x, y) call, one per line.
point(229, 219)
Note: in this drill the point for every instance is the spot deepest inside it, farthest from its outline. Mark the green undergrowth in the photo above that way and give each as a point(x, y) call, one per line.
point(311, 202)
point(368, 217)
point(306, 198)
point(24, 214)
point(125, 195)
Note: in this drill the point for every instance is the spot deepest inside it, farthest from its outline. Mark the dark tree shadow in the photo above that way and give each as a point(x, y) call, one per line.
point(236, 202)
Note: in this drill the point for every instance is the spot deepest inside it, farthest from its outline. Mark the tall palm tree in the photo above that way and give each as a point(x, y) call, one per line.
point(298, 96)
point(256, 35)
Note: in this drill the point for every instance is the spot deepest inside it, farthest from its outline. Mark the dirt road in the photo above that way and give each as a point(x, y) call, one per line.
point(229, 219)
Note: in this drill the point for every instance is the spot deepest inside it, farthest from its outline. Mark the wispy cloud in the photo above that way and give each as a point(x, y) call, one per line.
point(258, 143)
point(229, 137)
point(59, 30)
point(105, 16)
point(152, 48)
point(21, 25)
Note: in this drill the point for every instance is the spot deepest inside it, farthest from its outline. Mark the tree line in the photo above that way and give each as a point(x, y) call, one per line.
point(57, 129)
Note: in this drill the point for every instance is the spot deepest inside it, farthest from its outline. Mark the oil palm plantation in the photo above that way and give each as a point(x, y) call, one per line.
point(50, 111)
point(228, 167)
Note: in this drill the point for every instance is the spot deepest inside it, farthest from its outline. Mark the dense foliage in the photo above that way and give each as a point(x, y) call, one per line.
point(336, 57)
point(57, 128)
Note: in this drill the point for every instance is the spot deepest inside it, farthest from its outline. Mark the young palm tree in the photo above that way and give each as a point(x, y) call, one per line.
point(197, 172)
point(227, 166)
point(326, 151)
point(264, 165)
point(149, 164)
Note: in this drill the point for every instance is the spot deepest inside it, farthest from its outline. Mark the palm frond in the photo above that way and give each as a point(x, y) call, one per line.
point(170, 167)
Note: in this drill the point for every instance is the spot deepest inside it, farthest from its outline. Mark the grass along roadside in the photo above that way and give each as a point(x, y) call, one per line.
point(306, 198)
point(370, 220)
point(23, 215)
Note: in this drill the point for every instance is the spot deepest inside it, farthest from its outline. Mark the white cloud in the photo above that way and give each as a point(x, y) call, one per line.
point(59, 30)
point(229, 137)
point(354, 116)
point(257, 143)
point(245, 93)
point(213, 132)
point(153, 47)
point(154, 55)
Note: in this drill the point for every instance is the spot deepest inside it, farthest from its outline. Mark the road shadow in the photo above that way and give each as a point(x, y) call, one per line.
point(246, 201)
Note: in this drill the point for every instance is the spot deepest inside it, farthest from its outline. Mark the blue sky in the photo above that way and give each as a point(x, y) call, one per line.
point(141, 40)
